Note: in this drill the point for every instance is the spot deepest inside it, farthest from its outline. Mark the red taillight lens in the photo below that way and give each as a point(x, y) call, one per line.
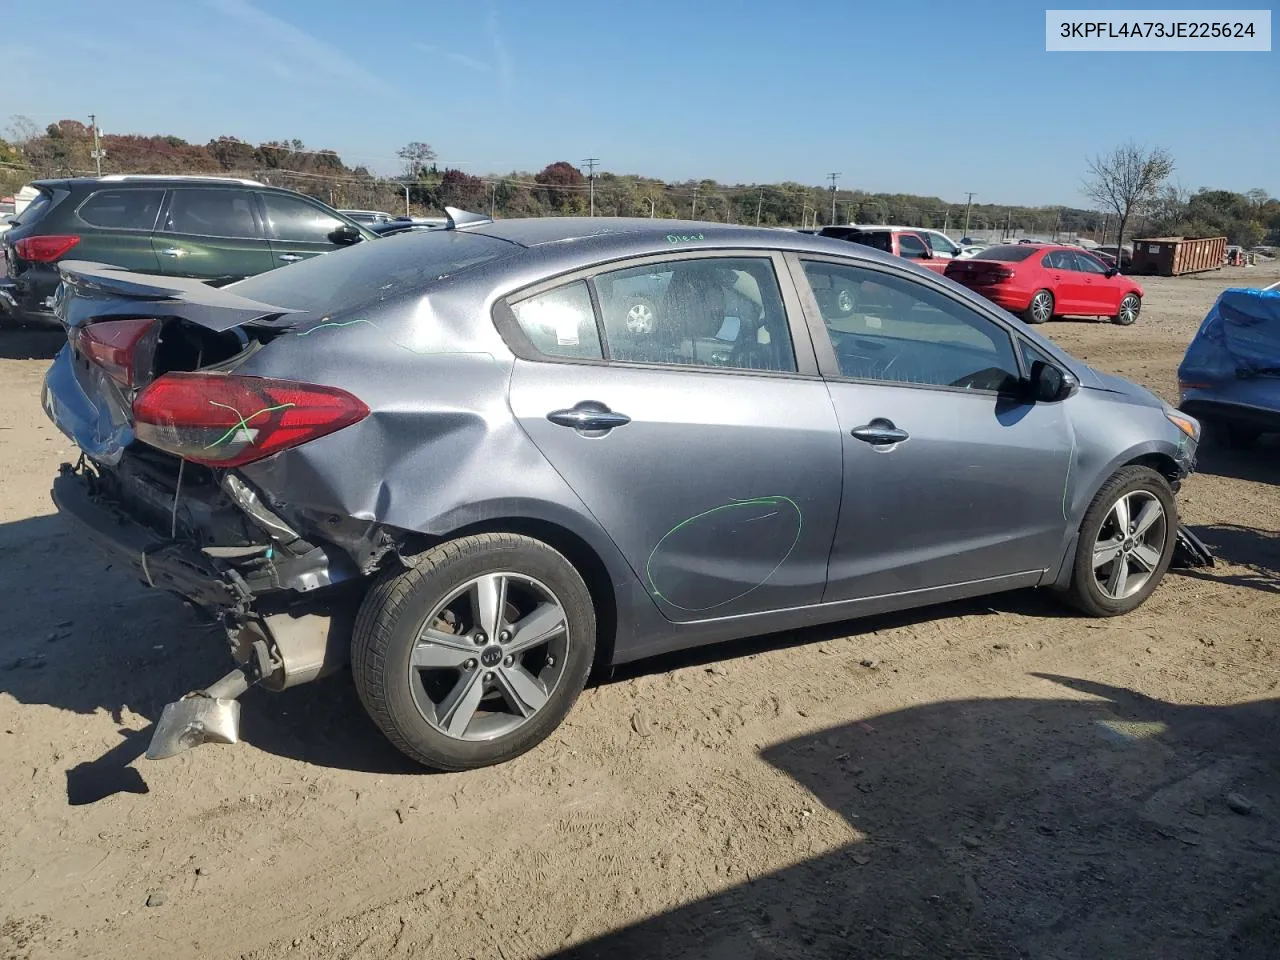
point(44, 249)
point(124, 348)
point(223, 420)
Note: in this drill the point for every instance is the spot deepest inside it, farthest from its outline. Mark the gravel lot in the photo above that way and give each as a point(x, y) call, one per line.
point(987, 779)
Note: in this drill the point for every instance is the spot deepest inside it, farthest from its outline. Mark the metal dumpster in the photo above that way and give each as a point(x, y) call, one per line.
point(1171, 256)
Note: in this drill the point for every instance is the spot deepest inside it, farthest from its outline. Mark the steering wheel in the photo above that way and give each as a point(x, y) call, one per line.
point(989, 378)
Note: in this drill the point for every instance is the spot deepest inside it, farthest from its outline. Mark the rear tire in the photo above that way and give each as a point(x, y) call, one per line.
point(1040, 308)
point(437, 679)
point(1141, 488)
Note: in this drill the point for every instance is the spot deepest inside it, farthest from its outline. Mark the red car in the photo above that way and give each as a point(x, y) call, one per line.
point(1040, 281)
point(900, 241)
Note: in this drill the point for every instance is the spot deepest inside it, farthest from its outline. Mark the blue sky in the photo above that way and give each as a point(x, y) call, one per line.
point(933, 97)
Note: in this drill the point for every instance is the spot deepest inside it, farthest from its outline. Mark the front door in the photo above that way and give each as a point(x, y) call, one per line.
point(1102, 294)
point(948, 479)
point(298, 228)
point(689, 430)
point(212, 233)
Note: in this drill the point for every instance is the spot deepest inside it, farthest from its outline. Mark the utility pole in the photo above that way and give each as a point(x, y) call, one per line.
point(591, 179)
point(98, 153)
point(493, 197)
point(833, 177)
point(967, 206)
point(759, 206)
point(651, 207)
point(406, 198)
point(693, 215)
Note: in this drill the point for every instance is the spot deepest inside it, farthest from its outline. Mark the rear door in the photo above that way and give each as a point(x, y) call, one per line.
point(703, 442)
point(213, 233)
point(949, 479)
point(121, 222)
point(299, 227)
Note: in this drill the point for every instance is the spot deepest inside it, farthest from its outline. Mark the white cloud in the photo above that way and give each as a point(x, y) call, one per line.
point(302, 49)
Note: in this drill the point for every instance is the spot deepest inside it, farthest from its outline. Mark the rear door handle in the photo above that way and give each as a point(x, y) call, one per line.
point(289, 257)
point(588, 416)
point(173, 252)
point(879, 433)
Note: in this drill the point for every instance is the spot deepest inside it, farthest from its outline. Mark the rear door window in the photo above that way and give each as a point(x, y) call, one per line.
point(719, 312)
point(561, 322)
point(213, 213)
point(122, 209)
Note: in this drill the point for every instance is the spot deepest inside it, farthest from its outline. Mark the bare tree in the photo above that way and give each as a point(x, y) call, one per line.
point(21, 129)
point(1126, 180)
point(417, 156)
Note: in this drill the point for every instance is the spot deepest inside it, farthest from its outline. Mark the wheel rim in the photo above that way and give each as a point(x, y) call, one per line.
point(1130, 544)
point(1041, 307)
point(640, 318)
point(1128, 310)
point(489, 656)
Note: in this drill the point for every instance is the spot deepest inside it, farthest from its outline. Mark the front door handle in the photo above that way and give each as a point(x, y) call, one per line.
point(588, 416)
point(879, 433)
point(173, 252)
point(289, 257)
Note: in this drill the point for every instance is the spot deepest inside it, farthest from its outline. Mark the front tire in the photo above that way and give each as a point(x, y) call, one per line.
point(1126, 542)
point(477, 652)
point(1040, 309)
point(1130, 307)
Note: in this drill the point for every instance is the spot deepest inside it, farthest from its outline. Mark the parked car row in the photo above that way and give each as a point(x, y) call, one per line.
point(215, 229)
point(461, 442)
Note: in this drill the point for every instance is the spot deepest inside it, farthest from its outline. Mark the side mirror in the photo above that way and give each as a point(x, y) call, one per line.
point(1111, 272)
point(345, 235)
point(1050, 384)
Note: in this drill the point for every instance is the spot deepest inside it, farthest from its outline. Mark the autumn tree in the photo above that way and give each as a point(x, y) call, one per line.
point(417, 157)
point(1126, 179)
point(562, 185)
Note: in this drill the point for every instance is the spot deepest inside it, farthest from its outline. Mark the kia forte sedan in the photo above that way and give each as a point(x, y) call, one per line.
point(455, 462)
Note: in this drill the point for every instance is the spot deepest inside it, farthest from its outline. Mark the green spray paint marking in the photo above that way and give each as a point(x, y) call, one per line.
point(244, 421)
point(336, 326)
point(364, 320)
point(770, 501)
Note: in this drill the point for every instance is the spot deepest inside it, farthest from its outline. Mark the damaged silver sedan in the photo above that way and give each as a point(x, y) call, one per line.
point(476, 463)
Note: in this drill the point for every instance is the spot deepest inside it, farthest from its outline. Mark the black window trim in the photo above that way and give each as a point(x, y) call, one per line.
point(162, 220)
point(164, 199)
point(807, 367)
point(829, 365)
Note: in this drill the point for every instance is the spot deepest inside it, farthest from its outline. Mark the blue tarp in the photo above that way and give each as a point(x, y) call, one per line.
point(1240, 337)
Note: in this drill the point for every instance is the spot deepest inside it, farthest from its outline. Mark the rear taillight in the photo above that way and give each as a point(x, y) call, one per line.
point(223, 420)
point(44, 249)
point(125, 349)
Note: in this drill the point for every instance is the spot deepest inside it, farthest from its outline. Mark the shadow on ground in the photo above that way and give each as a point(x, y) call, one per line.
point(1256, 550)
point(30, 343)
point(1259, 463)
point(1113, 827)
point(88, 638)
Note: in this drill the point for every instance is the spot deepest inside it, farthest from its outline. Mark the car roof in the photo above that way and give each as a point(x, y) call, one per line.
point(153, 180)
point(570, 243)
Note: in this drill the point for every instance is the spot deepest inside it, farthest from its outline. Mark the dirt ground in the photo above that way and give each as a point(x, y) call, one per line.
point(988, 779)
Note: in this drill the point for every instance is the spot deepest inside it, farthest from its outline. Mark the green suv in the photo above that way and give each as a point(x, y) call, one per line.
point(217, 229)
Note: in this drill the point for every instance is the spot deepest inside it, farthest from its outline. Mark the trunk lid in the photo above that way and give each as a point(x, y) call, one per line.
point(195, 327)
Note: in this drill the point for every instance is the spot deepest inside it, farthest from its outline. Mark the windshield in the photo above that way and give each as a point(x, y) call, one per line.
point(372, 270)
point(1010, 253)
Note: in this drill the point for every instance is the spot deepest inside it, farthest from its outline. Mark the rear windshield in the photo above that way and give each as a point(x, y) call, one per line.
point(34, 210)
point(372, 270)
point(1008, 252)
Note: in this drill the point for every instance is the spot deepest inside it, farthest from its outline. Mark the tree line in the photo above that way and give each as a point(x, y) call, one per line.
point(562, 189)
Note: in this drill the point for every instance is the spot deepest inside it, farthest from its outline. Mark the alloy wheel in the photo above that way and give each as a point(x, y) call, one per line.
point(489, 656)
point(1042, 307)
point(1128, 310)
point(1130, 544)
